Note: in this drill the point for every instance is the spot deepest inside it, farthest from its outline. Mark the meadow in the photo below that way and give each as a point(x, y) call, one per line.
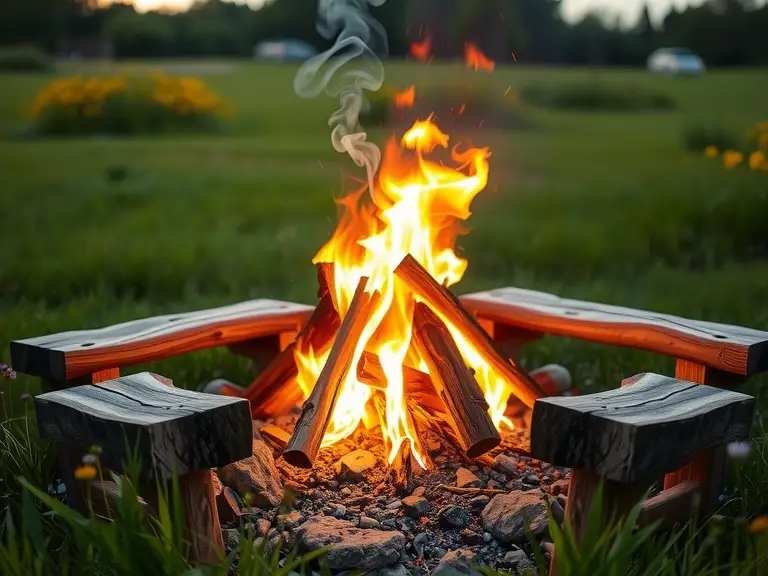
point(604, 206)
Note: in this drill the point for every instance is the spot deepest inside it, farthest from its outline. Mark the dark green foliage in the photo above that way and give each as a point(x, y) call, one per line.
point(24, 58)
point(596, 96)
point(698, 137)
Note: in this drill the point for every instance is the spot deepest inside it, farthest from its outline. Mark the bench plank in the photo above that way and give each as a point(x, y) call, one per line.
point(171, 428)
point(729, 348)
point(68, 355)
point(638, 432)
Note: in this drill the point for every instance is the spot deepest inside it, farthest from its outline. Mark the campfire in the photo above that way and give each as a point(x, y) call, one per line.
point(388, 344)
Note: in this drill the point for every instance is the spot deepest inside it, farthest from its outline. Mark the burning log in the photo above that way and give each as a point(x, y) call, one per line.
point(273, 392)
point(455, 383)
point(308, 434)
point(401, 469)
point(447, 306)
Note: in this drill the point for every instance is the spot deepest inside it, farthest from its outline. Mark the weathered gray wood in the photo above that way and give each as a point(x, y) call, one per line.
point(67, 355)
point(729, 348)
point(170, 428)
point(638, 432)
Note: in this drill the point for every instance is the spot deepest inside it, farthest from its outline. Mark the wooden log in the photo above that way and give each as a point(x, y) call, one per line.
point(65, 356)
point(456, 384)
point(274, 392)
point(729, 348)
point(677, 505)
point(449, 309)
point(275, 436)
point(202, 529)
point(471, 491)
point(401, 469)
point(638, 432)
point(171, 429)
point(308, 434)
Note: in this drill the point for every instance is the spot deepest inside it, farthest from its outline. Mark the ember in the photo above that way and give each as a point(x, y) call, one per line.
point(475, 58)
point(422, 50)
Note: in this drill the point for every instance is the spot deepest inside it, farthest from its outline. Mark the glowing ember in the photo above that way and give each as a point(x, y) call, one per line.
point(416, 209)
point(405, 98)
point(475, 58)
point(422, 50)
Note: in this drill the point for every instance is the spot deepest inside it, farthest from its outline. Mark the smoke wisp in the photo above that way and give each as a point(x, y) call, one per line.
point(350, 66)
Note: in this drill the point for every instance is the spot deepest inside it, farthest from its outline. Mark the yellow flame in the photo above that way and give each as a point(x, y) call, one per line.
point(416, 209)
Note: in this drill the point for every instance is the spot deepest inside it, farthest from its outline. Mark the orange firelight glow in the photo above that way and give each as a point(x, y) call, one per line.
point(417, 208)
point(475, 58)
point(405, 98)
point(422, 50)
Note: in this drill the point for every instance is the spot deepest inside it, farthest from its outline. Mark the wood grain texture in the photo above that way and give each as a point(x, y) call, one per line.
point(706, 469)
point(316, 413)
point(455, 383)
point(640, 431)
point(171, 428)
point(729, 348)
point(676, 505)
point(450, 310)
point(68, 355)
point(202, 528)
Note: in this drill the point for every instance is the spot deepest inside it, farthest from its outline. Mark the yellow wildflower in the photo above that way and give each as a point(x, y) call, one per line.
point(759, 524)
point(711, 151)
point(732, 158)
point(85, 472)
point(757, 160)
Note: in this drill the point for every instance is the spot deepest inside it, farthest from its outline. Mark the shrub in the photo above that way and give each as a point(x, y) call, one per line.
point(126, 104)
point(699, 138)
point(24, 59)
point(595, 96)
point(751, 152)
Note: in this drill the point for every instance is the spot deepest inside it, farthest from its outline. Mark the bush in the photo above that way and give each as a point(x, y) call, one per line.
point(596, 96)
point(24, 59)
point(699, 138)
point(751, 152)
point(126, 104)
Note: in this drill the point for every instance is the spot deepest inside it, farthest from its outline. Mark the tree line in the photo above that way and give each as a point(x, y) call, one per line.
point(723, 32)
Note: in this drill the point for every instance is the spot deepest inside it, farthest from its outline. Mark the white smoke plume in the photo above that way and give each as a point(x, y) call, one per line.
point(345, 70)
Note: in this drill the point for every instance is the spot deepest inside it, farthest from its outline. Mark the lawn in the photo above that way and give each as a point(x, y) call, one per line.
point(602, 206)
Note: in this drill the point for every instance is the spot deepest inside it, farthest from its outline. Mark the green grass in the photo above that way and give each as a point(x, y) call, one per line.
point(602, 206)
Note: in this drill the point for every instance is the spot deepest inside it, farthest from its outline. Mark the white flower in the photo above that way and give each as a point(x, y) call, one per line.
point(738, 450)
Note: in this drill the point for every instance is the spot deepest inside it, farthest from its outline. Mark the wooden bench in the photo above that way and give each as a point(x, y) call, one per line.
point(169, 430)
point(706, 352)
point(626, 438)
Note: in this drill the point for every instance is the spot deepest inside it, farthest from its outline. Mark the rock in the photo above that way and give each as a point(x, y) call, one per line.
point(263, 526)
point(503, 516)
point(517, 560)
point(229, 505)
point(389, 523)
point(415, 506)
point(350, 547)
point(560, 487)
point(506, 464)
point(419, 491)
point(256, 477)
point(531, 479)
point(456, 563)
point(217, 485)
point(366, 522)
point(466, 479)
point(288, 521)
point(339, 511)
point(231, 539)
point(493, 484)
point(471, 537)
point(557, 511)
point(487, 537)
point(479, 502)
point(420, 542)
point(394, 505)
point(395, 570)
point(406, 525)
point(437, 552)
point(453, 516)
point(355, 465)
point(332, 485)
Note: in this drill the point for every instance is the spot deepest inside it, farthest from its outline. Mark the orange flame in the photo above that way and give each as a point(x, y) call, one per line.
point(422, 50)
point(475, 58)
point(405, 98)
point(416, 209)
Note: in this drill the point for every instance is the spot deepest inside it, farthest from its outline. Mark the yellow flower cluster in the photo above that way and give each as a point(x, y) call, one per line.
point(86, 96)
point(757, 160)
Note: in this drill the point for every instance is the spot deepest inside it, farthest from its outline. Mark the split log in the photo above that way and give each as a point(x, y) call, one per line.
point(456, 383)
point(448, 307)
point(308, 434)
point(274, 391)
point(401, 469)
point(275, 435)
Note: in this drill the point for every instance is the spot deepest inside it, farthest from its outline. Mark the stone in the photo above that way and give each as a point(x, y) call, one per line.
point(406, 524)
point(456, 563)
point(487, 537)
point(517, 560)
point(332, 485)
point(503, 516)
point(437, 552)
point(389, 524)
point(255, 477)
point(419, 542)
point(217, 485)
point(367, 522)
point(506, 464)
point(558, 514)
point(340, 511)
point(394, 570)
point(471, 537)
point(560, 487)
point(415, 506)
point(231, 539)
point(479, 502)
point(263, 526)
point(394, 505)
point(355, 465)
point(419, 491)
point(229, 505)
point(453, 516)
point(466, 479)
point(288, 521)
point(531, 479)
point(350, 546)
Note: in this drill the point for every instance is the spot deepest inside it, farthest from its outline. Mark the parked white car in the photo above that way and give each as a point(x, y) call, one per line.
point(675, 62)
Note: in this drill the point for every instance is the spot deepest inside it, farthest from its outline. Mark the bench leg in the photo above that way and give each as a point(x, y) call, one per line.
point(708, 468)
